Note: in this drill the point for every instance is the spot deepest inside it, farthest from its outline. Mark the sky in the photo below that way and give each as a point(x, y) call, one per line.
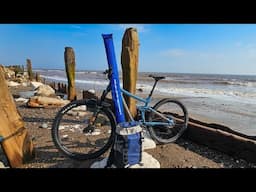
point(174, 48)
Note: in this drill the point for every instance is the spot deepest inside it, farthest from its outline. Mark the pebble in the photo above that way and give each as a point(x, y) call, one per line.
point(44, 126)
point(2, 165)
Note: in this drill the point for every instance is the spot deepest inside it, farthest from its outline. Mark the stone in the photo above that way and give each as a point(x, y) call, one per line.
point(147, 142)
point(44, 126)
point(95, 132)
point(24, 84)
point(26, 94)
point(99, 164)
point(12, 84)
point(35, 84)
point(20, 99)
point(2, 165)
point(147, 161)
point(45, 90)
point(92, 91)
point(80, 108)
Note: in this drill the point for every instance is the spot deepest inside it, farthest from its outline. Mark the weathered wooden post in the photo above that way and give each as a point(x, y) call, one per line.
point(129, 61)
point(16, 142)
point(29, 68)
point(70, 65)
point(38, 79)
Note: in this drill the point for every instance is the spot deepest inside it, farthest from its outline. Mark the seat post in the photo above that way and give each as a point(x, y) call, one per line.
point(153, 88)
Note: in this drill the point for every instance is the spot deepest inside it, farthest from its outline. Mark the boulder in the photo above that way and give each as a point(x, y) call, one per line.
point(9, 73)
point(45, 90)
point(35, 84)
point(12, 84)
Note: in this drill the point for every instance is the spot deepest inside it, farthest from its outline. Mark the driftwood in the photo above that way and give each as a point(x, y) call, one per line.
point(16, 143)
point(129, 61)
point(41, 101)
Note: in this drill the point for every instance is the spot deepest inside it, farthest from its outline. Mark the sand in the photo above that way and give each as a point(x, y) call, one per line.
point(181, 154)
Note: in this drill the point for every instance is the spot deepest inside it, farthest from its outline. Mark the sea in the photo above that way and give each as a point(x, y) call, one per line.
point(229, 100)
point(237, 88)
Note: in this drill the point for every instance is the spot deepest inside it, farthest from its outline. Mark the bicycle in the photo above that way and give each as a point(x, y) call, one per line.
point(94, 118)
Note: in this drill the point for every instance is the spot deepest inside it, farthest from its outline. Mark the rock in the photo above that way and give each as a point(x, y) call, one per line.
point(44, 126)
point(95, 132)
point(89, 94)
point(2, 165)
point(12, 84)
point(26, 94)
point(80, 108)
point(92, 91)
point(9, 73)
point(72, 113)
point(35, 84)
point(147, 161)
point(21, 100)
point(147, 142)
point(82, 114)
point(45, 90)
point(99, 164)
point(24, 84)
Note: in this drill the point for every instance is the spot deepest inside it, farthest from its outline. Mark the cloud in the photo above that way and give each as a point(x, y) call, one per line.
point(140, 27)
point(174, 52)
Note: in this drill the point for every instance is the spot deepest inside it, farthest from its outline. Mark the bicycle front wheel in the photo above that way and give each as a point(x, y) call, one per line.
point(82, 130)
point(176, 113)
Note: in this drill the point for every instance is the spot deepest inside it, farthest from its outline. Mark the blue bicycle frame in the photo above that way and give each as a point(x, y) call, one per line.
point(145, 108)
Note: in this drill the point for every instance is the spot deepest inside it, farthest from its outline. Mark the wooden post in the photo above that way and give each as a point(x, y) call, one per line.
point(70, 64)
point(38, 79)
point(29, 68)
point(129, 61)
point(17, 144)
point(65, 89)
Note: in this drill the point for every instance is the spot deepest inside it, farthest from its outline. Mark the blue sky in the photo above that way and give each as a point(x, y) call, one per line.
point(182, 48)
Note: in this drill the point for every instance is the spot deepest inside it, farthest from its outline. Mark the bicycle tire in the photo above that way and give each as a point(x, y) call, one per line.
point(63, 146)
point(176, 131)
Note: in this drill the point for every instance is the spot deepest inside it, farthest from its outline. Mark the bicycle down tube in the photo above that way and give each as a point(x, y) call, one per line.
point(146, 107)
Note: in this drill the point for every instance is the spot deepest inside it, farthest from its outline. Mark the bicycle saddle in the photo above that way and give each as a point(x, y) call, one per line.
point(157, 78)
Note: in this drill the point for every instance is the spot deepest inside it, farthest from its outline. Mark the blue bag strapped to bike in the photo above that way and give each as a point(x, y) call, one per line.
point(127, 147)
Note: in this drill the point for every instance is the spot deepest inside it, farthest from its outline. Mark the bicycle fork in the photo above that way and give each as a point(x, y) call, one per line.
point(90, 128)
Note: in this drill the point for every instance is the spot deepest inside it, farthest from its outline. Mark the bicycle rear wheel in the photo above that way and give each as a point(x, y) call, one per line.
point(176, 112)
point(82, 130)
